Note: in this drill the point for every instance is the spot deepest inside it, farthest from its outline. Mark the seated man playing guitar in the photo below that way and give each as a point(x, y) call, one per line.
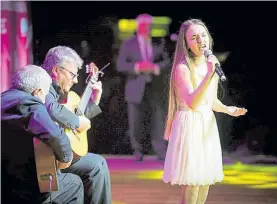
point(62, 63)
point(23, 118)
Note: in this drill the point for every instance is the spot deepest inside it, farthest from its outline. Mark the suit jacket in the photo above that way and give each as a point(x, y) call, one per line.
point(61, 114)
point(23, 117)
point(129, 55)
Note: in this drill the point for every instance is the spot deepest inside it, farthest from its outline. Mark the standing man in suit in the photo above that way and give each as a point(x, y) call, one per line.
point(144, 60)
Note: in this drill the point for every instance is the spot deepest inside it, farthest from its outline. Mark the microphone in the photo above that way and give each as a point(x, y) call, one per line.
point(218, 69)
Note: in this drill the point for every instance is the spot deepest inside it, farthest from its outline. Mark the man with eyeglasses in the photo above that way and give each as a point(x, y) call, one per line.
point(62, 63)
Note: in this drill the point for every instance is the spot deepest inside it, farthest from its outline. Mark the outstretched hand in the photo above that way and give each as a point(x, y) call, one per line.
point(236, 111)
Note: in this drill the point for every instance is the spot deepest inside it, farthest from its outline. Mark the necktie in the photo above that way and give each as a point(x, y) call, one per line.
point(146, 50)
point(147, 58)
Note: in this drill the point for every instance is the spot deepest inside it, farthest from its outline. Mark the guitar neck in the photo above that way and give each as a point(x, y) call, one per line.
point(85, 98)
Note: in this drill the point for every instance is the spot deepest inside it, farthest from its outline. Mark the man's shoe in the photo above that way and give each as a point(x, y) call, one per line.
point(138, 156)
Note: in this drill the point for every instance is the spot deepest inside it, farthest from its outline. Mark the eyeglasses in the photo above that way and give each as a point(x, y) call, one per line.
point(71, 73)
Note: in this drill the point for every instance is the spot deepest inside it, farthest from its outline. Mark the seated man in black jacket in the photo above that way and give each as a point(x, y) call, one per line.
point(62, 64)
point(23, 117)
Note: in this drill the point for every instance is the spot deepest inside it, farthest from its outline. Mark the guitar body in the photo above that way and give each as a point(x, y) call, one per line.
point(78, 140)
point(46, 166)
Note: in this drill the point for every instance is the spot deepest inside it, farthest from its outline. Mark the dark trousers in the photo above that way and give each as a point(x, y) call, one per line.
point(95, 174)
point(157, 123)
point(71, 191)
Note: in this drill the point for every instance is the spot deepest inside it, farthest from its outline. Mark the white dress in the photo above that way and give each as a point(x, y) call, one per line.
point(194, 154)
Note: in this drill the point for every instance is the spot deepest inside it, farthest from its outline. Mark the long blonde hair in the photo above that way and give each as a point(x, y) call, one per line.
point(182, 55)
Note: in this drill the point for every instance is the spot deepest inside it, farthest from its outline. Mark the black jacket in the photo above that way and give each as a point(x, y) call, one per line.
point(27, 114)
point(61, 114)
point(135, 86)
point(23, 117)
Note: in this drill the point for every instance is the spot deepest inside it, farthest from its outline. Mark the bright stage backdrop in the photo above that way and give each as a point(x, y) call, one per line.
point(16, 39)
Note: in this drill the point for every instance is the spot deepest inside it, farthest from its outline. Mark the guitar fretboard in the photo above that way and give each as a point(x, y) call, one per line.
point(85, 97)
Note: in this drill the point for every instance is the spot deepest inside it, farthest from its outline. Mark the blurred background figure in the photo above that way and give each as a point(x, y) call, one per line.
point(85, 49)
point(145, 61)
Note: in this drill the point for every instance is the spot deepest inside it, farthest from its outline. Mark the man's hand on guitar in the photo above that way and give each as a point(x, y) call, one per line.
point(97, 92)
point(84, 124)
point(62, 165)
point(97, 87)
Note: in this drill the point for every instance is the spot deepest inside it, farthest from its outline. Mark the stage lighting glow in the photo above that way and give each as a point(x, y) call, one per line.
point(248, 176)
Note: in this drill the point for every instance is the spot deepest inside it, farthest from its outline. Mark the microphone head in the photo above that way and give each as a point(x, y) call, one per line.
point(207, 53)
point(223, 78)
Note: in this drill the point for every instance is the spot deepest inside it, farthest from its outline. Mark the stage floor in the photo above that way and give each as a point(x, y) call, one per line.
point(140, 183)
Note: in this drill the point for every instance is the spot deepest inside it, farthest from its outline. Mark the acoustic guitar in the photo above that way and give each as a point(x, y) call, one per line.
point(46, 166)
point(77, 105)
point(46, 163)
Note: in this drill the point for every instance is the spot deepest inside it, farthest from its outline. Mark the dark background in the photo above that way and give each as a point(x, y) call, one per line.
point(245, 29)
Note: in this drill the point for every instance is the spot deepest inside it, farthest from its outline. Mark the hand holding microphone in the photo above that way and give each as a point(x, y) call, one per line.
point(211, 58)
